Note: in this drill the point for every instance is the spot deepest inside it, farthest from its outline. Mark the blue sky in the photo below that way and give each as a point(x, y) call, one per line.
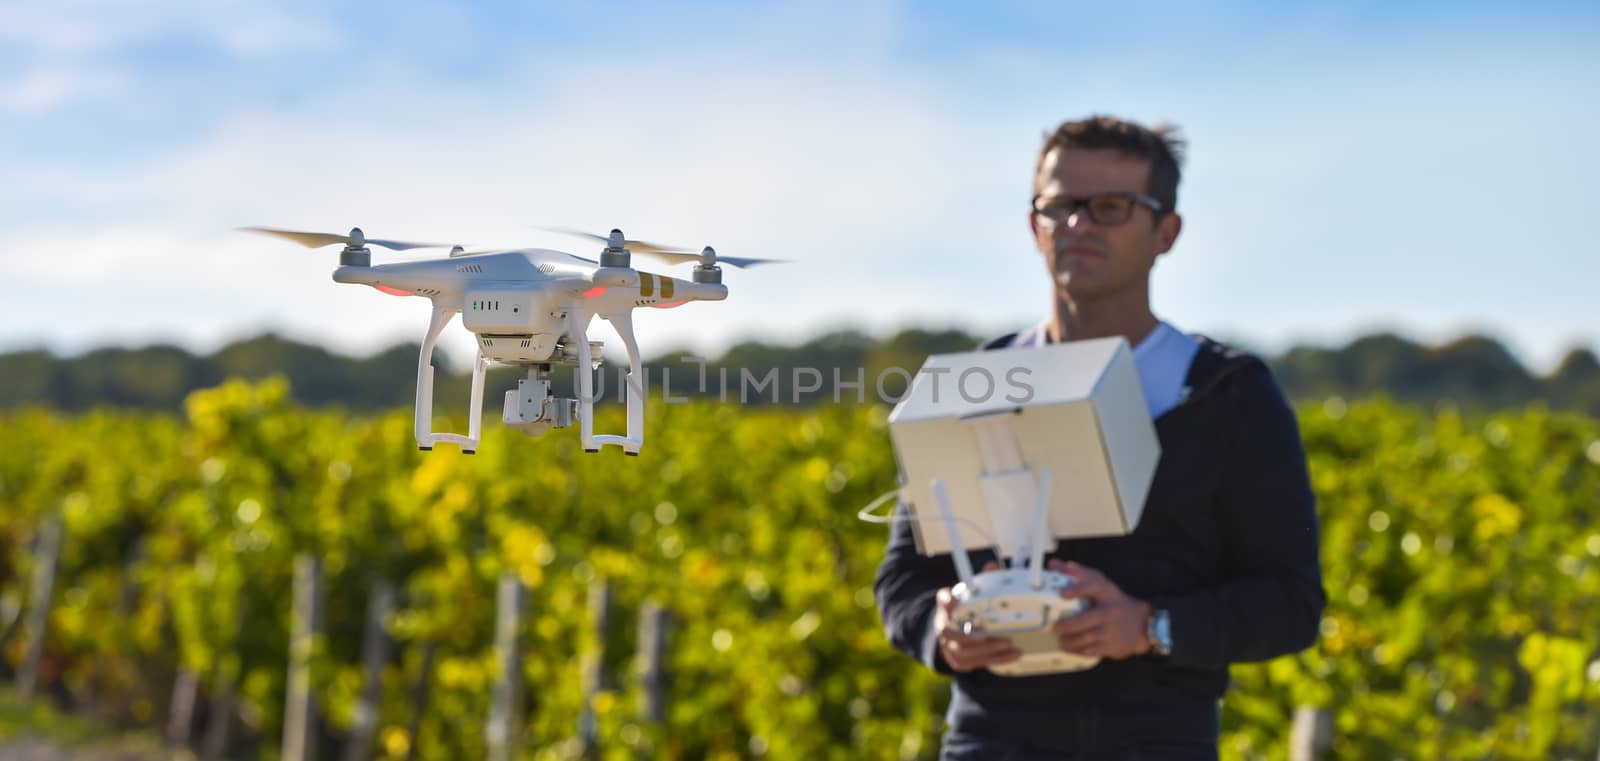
point(1428, 168)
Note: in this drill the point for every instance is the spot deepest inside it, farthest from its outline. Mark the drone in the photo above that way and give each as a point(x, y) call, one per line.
point(530, 307)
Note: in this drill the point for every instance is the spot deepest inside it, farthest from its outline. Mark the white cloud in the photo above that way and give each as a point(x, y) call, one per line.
point(72, 52)
point(45, 89)
point(83, 28)
point(837, 170)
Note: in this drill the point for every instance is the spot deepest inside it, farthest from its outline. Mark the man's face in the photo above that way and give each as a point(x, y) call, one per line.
point(1094, 260)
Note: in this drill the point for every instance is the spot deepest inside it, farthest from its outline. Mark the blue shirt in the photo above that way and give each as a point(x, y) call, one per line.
point(1162, 359)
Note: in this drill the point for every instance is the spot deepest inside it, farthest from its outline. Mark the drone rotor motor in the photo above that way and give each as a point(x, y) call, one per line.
point(616, 252)
point(707, 271)
point(356, 253)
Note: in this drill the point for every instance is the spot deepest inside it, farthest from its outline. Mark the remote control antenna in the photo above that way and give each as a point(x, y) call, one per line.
point(1041, 531)
point(957, 549)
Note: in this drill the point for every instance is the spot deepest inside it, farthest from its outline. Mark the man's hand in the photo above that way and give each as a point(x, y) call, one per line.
point(1114, 625)
point(967, 653)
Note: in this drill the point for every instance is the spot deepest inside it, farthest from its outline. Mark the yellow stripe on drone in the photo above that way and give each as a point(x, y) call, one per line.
point(647, 284)
point(666, 287)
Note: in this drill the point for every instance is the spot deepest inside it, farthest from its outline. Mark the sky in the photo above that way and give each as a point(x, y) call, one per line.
point(1425, 168)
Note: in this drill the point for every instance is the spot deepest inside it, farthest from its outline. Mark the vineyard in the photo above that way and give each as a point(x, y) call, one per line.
point(1461, 557)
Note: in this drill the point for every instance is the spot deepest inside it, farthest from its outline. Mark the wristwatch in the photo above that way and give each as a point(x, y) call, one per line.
point(1158, 629)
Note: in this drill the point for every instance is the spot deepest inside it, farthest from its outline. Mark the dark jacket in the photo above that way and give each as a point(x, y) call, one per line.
point(1227, 543)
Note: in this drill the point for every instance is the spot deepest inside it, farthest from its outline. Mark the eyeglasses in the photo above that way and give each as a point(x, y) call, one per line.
point(1109, 209)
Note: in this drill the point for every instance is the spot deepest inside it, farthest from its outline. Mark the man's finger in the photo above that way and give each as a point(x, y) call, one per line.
point(1105, 648)
point(978, 648)
point(1092, 618)
point(1096, 589)
point(952, 632)
point(984, 655)
point(954, 636)
point(1082, 572)
point(1094, 649)
point(1076, 570)
point(1082, 642)
point(975, 652)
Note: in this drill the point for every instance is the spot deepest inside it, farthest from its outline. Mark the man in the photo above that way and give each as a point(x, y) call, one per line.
point(1223, 566)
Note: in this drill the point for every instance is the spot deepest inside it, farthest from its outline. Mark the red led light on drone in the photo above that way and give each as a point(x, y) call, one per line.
point(392, 291)
point(593, 292)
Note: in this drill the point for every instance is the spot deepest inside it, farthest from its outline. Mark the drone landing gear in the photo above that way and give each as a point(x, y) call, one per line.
point(425, 435)
point(622, 321)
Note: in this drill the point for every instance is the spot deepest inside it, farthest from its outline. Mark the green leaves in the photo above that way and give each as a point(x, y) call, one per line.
point(1461, 555)
point(1464, 603)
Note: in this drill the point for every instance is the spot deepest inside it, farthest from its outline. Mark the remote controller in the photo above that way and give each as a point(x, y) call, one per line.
point(1003, 603)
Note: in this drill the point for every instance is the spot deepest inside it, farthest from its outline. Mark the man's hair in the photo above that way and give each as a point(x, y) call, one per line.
point(1160, 146)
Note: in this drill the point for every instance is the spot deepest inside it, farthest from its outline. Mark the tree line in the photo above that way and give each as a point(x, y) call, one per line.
point(1473, 372)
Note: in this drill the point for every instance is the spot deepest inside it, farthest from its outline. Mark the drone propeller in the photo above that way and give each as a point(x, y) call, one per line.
point(616, 240)
point(356, 239)
point(708, 258)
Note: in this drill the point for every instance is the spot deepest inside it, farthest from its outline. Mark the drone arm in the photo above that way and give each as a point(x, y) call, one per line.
point(1041, 531)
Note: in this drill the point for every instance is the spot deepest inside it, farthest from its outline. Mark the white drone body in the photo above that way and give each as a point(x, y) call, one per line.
point(530, 307)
